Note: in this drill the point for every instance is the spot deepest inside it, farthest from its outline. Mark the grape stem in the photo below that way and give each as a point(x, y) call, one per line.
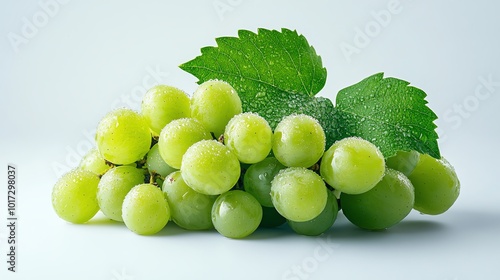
point(154, 140)
point(221, 139)
point(141, 163)
point(315, 167)
point(153, 177)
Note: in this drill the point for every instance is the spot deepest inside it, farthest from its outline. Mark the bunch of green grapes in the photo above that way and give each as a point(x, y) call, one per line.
point(203, 164)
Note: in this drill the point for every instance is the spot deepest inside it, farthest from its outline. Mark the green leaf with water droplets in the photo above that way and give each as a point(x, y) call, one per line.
point(261, 63)
point(390, 114)
point(276, 73)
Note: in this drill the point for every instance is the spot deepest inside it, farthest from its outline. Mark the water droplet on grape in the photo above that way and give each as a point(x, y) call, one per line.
point(263, 176)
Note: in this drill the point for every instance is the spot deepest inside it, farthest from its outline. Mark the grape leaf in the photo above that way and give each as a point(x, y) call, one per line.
point(275, 74)
point(265, 62)
point(279, 73)
point(389, 113)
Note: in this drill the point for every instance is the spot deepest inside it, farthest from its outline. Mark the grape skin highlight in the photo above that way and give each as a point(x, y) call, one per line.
point(258, 177)
point(249, 137)
point(352, 165)
point(214, 103)
point(163, 104)
point(145, 210)
point(436, 185)
point(385, 205)
point(209, 167)
point(291, 137)
point(189, 209)
point(74, 196)
point(177, 136)
point(236, 214)
point(322, 222)
point(123, 137)
point(113, 188)
point(298, 194)
point(94, 163)
point(156, 164)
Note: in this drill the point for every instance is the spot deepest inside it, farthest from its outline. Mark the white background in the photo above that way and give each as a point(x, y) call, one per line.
point(64, 65)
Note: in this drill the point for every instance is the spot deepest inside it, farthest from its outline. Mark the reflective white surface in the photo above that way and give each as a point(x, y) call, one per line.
point(73, 62)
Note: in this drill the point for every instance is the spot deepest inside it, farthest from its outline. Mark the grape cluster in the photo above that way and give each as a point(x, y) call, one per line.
point(203, 163)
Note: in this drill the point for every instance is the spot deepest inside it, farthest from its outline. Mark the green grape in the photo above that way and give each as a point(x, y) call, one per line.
point(145, 209)
point(113, 188)
point(236, 214)
point(163, 104)
point(214, 103)
point(123, 137)
point(156, 164)
point(209, 167)
point(298, 194)
point(271, 218)
point(74, 196)
point(94, 163)
point(177, 136)
point(352, 165)
point(249, 137)
point(299, 141)
point(436, 185)
point(189, 209)
point(385, 205)
point(258, 177)
point(403, 161)
point(321, 223)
